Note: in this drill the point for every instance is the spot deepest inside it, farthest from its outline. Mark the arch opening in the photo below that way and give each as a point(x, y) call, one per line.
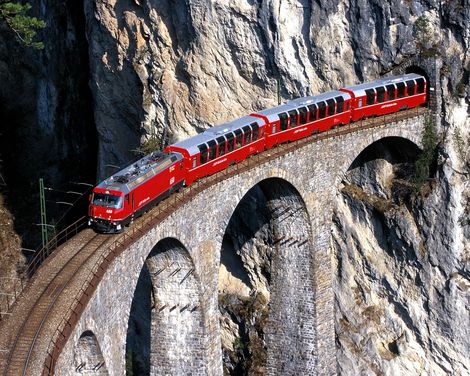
point(385, 167)
point(265, 264)
point(88, 358)
point(165, 330)
point(378, 254)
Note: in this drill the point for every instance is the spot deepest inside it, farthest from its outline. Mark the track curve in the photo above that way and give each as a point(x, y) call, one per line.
point(53, 282)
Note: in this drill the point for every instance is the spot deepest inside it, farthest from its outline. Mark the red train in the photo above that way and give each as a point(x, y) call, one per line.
point(116, 201)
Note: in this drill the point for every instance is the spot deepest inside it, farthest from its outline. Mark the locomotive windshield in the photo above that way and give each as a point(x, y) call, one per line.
point(108, 201)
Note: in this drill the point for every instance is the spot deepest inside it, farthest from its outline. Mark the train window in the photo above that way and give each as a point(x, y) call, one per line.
point(321, 110)
point(411, 87)
point(203, 150)
point(390, 92)
point(420, 85)
point(380, 94)
point(400, 90)
point(238, 138)
point(212, 149)
point(293, 118)
point(221, 145)
point(339, 104)
point(255, 128)
point(331, 106)
point(230, 139)
point(312, 110)
point(247, 134)
point(173, 158)
point(359, 103)
point(370, 97)
point(283, 121)
point(302, 115)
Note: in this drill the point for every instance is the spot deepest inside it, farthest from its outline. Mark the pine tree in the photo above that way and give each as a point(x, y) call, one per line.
point(24, 27)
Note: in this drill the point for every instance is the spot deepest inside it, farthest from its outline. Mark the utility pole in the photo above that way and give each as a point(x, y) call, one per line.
point(42, 201)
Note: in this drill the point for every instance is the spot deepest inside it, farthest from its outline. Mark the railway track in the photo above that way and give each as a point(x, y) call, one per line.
point(49, 295)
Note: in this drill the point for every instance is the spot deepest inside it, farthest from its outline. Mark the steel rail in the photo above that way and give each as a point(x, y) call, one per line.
point(40, 256)
point(34, 311)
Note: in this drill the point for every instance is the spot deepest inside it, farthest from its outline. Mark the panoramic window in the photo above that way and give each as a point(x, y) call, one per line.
point(238, 138)
point(410, 87)
point(255, 128)
point(293, 118)
point(380, 94)
point(420, 85)
point(390, 92)
point(400, 89)
point(370, 97)
point(283, 121)
point(312, 110)
point(339, 104)
point(331, 106)
point(230, 139)
point(203, 150)
point(321, 110)
point(302, 115)
point(212, 149)
point(247, 134)
point(221, 145)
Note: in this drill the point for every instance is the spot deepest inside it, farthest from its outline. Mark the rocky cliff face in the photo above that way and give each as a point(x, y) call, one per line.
point(121, 71)
point(173, 68)
point(47, 127)
point(402, 260)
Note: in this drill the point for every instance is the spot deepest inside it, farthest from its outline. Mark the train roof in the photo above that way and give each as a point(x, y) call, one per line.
point(305, 101)
point(191, 144)
point(361, 88)
point(140, 171)
point(272, 113)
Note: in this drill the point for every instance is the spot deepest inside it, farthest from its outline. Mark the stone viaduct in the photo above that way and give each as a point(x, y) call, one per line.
point(179, 260)
point(159, 299)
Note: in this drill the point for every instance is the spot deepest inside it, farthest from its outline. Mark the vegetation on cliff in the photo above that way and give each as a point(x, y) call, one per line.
point(23, 26)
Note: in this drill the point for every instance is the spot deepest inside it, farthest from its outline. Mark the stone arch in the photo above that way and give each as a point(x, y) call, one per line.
point(373, 233)
point(393, 150)
point(266, 294)
point(165, 331)
point(88, 358)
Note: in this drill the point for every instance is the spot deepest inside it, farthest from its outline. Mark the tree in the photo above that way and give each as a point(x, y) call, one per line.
point(422, 31)
point(423, 163)
point(24, 27)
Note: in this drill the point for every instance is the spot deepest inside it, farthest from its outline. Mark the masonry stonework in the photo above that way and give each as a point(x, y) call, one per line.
point(315, 172)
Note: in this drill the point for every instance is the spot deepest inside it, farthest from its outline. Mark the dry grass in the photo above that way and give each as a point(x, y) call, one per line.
point(11, 258)
point(357, 193)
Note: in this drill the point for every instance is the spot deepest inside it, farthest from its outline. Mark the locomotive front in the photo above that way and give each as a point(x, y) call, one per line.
point(106, 210)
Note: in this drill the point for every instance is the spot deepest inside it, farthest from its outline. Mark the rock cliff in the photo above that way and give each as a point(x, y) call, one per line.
point(402, 259)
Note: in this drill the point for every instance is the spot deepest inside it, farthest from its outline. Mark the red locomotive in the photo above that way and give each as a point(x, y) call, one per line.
point(117, 200)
